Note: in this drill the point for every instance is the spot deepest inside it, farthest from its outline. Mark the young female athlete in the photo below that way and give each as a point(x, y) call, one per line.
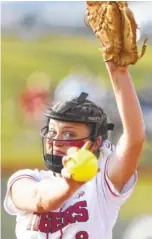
point(49, 204)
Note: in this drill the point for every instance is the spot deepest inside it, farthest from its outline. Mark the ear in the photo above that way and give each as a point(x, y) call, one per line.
point(96, 144)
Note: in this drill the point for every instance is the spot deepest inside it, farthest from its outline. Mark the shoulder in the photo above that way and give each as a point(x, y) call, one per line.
point(34, 174)
point(110, 192)
point(25, 173)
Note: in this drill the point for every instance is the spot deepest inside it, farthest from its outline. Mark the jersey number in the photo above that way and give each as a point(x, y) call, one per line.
point(82, 235)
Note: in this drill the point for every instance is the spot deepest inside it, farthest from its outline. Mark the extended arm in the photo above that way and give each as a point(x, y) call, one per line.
point(46, 195)
point(49, 194)
point(123, 162)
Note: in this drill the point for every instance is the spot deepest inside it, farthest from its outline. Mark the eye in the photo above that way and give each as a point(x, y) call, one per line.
point(68, 135)
point(51, 134)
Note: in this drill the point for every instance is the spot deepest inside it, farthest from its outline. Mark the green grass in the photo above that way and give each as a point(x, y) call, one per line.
point(140, 201)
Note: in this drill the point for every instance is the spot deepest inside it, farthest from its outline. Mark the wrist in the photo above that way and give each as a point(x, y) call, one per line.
point(114, 69)
point(72, 186)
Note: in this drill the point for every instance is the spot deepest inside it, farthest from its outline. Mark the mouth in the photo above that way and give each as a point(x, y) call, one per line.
point(58, 152)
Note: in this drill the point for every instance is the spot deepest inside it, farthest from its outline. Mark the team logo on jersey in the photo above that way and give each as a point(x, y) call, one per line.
point(52, 222)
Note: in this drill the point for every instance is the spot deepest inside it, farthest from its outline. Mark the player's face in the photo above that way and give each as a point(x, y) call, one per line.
point(62, 130)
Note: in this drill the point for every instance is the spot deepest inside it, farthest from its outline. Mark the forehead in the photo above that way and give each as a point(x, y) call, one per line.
point(65, 124)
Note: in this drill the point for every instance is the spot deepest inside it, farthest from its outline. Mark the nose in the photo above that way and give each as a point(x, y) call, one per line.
point(56, 140)
point(54, 143)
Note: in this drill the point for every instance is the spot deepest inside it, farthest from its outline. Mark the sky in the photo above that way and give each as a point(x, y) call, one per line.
point(67, 13)
point(54, 12)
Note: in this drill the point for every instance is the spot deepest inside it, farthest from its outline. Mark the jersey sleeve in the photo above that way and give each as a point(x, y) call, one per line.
point(111, 194)
point(8, 203)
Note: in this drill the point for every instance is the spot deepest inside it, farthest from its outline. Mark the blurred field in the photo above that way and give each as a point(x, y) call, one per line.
point(55, 56)
point(140, 201)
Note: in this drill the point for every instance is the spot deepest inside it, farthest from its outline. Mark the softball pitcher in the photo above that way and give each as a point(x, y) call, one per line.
point(50, 204)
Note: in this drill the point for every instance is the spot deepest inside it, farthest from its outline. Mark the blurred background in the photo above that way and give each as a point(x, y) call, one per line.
point(49, 54)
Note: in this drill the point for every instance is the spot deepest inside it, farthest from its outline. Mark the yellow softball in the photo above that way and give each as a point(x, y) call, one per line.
point(83, 165)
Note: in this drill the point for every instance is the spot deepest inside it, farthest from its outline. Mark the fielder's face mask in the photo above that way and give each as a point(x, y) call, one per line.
point(76, 110)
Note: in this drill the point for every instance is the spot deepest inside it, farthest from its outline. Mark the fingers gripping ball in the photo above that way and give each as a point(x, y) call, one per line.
point(82, 165)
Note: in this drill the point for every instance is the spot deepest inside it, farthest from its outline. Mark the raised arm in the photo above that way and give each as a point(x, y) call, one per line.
point(115, 26)
point(124, 161)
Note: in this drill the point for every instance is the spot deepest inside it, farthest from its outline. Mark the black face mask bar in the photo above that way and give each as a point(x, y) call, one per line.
point(53, 161)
